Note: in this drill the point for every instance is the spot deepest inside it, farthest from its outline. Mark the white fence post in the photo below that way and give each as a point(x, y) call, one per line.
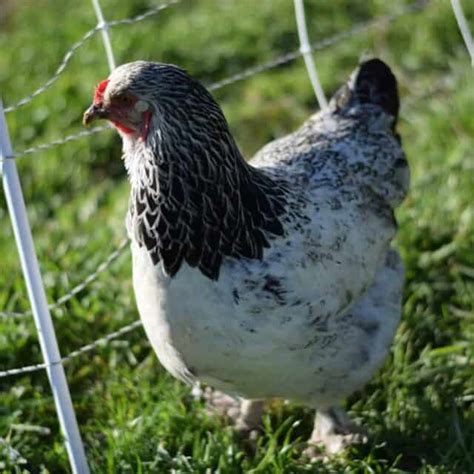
point(464, 28)
point(104, 29)
point(39, 305)
point(305, 49)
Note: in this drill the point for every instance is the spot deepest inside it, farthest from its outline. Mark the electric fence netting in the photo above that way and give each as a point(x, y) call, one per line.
point(40, 309)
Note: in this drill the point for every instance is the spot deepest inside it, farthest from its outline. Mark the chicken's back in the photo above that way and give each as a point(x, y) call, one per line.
point(351, 147)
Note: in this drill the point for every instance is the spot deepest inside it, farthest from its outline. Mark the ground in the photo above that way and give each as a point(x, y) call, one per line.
point(133, 416)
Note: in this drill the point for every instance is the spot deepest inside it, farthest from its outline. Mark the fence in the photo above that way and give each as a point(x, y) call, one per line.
point(53, 361)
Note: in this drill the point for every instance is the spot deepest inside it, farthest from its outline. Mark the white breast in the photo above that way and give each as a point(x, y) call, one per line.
point(293, 325)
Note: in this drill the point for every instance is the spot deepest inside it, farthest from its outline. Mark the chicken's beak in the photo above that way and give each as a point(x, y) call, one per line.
point(94, 112)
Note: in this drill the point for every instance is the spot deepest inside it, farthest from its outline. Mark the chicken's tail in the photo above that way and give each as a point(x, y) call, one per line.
point(371, 83)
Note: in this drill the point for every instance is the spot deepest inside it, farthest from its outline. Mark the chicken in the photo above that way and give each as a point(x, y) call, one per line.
point(268, 279)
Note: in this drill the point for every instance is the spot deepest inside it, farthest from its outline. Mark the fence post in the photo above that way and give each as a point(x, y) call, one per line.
point(104, 29)
point(464, 28)
point(305, 49)
point(39, 305)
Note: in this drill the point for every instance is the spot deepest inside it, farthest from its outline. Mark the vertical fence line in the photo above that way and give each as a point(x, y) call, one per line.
point(305, 49)
point(464, 28)
point(104, 30)
point(39, 304)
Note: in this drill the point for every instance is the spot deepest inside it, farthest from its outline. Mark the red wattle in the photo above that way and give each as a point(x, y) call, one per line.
point(146, 128)
point(122, 128)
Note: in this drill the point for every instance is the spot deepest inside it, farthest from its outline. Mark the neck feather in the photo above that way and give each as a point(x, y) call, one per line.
point(194, 199)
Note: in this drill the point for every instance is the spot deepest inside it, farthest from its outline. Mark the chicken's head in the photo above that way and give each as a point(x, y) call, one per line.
point(122, 99)
point(140, 96)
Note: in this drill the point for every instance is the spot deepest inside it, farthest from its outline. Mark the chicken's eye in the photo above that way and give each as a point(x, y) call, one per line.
point(123, 99)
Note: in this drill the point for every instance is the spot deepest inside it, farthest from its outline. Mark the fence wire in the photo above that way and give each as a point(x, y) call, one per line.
point(62, 141)
point(102, 267)
point(82, 350)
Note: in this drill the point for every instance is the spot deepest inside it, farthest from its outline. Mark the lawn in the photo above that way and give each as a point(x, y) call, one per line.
point(133, 416)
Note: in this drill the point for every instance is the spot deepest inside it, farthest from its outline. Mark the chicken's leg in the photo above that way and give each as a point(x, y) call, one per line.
point(245, 415)
point(334, 431)
point(250, 417)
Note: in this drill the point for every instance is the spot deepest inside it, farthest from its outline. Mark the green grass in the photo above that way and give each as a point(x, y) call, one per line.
point(133, 416)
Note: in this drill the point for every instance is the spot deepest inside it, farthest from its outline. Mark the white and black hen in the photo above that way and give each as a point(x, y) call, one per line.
point(273, 278)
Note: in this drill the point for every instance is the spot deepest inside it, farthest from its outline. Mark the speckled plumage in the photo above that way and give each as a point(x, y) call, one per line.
point(273, 278)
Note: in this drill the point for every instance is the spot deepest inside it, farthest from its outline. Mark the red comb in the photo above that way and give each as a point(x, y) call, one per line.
point(99, 91)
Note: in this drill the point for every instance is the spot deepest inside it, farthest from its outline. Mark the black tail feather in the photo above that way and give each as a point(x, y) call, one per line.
point(372, 83)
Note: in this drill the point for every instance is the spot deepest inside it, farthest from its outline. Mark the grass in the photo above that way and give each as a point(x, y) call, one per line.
point(133, 416)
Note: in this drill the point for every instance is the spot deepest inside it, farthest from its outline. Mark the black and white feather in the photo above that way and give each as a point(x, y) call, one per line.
point(272, 278)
